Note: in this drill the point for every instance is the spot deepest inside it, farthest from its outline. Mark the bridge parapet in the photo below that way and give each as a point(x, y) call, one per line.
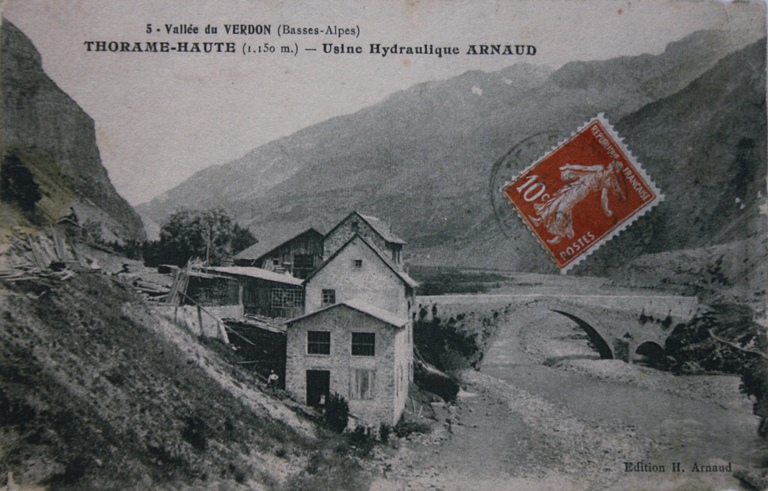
point(655, 305)
point(619, 321)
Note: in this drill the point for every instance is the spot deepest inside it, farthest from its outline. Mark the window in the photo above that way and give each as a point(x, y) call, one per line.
point(355, 226)
point(361, 384)
point(287, 298)
point(318, 342)
point(329, 297)
point(363, 344)
point(303, 264)
point(358, 263)
point(303, 261)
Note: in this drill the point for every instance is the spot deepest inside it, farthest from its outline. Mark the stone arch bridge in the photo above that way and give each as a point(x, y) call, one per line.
point(617, 325)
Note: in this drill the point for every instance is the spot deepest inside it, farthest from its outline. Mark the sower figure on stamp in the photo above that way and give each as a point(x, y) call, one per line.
point(556, 214)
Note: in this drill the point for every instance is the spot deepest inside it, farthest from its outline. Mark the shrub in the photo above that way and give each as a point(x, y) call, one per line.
point(361, 440)
point(384, 431)
point(406, 427)
point(336, 412)
point(446, 346)
point(726, 339)
point(194, 433)
point(434, 381)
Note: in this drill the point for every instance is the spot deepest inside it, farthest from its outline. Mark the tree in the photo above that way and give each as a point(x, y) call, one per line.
point(242, 239)
point(17, 184)
point(210, 235)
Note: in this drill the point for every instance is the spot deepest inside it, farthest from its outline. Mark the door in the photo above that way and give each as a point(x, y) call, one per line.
point(318, 386)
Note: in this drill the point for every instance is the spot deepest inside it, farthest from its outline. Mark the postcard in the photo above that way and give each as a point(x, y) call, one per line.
point(400, 245)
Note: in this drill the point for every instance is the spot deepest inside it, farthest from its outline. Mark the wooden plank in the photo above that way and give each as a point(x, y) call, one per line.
point(174, 293)
point(36, 254)
point(66, 252)
point(222, 332)
point(45, 246)
point(56, 246)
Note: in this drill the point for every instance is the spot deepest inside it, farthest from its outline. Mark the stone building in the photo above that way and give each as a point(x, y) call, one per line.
point(356, 350)
point(356, 338)
point(360, 270)
point(374, 230)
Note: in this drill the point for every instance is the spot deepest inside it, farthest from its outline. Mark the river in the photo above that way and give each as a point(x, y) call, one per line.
point(684, 427)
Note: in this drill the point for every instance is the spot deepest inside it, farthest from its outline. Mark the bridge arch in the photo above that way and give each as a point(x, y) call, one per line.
point(597, 340)
point(613, 328)
point(653, 351)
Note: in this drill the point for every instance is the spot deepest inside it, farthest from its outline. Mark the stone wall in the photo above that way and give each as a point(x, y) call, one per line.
point(388, 400)
point(344, 231)
point(373, 282)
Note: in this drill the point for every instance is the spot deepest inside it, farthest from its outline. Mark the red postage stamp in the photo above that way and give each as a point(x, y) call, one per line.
point(582, 193)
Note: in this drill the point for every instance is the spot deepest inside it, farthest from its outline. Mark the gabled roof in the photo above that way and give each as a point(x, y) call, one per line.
point(263, 248)
point(259, 273)
point(386, 260)
point(364, 307)
point(377, 225)
point(382, 229)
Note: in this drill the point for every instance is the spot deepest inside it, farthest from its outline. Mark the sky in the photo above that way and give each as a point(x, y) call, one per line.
point(162, 117)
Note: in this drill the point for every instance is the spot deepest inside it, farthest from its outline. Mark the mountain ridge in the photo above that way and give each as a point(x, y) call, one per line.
point(720, 120)
point(421, 159)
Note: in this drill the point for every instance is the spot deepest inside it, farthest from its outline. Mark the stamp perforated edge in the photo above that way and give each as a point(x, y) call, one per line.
point(647, 207)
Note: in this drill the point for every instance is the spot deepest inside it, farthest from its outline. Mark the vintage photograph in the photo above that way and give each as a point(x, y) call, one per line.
point(392, 245)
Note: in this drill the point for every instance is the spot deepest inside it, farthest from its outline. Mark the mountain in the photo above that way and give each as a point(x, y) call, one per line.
point(48, 135)
point(358, 141)
point(424, 158)
point(706, 149)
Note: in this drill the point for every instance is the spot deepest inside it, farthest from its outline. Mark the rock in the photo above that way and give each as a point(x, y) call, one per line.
point(758, 479)
point(51, 135)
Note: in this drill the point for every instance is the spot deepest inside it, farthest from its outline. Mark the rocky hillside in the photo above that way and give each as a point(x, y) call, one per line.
point(45, 132)
point(98, 391)
point(423, 159)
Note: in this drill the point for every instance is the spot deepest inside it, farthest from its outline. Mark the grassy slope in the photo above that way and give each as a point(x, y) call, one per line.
point(96, 392)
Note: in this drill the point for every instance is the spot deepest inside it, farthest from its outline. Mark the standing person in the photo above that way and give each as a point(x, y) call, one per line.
point(272, 380)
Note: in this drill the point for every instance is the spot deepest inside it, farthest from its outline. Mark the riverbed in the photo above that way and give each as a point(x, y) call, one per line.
point(544, 412)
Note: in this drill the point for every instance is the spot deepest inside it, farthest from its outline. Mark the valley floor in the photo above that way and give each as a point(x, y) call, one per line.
point(545, 413)
point(98, 391)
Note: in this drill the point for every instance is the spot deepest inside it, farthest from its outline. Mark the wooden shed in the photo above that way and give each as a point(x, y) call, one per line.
point(266, 293)
point(296, 254)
